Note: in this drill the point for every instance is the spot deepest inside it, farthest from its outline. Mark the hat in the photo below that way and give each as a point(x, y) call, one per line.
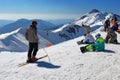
point(34, 22)
point(98, 35)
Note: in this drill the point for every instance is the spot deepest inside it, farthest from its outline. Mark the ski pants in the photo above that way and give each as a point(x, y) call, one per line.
point(111, 37)
point(33, 48)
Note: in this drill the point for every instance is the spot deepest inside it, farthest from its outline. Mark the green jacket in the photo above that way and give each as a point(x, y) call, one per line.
point(99, 45)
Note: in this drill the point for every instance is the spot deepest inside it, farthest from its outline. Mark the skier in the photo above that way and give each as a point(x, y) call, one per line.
point(32, 38)
point(107, 25)
point(99, 45)
point(89, 39)
point(111, 35)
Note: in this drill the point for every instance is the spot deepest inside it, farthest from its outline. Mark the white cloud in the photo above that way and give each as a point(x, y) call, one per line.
point(37, 16)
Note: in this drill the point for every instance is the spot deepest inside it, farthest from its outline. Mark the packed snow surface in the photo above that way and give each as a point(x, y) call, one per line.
point(65, 62)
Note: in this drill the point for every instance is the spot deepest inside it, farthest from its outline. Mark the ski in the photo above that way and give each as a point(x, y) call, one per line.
point(25, 63)
point(22, 64)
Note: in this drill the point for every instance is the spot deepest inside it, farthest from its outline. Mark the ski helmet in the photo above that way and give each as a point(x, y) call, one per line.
point(98, 35)
point(34, 22)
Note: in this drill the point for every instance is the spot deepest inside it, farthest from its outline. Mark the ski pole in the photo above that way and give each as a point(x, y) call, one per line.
point(47, 55)
point(49, 44)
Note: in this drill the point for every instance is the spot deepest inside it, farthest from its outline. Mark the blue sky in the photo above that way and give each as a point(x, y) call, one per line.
point(54, 9)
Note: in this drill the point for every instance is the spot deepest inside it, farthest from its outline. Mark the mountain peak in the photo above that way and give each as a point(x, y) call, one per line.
point(94, 11)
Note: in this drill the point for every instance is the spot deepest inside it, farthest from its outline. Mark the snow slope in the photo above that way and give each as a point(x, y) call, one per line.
point(65, 62)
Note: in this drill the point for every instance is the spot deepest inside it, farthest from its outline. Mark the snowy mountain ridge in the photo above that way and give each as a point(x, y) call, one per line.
point(95, 19)
point(12, 37)
point(3, 36)
point(15, 41)
point(24, 23)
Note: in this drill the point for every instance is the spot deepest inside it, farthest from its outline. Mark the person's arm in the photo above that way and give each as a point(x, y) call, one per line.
point(36, 36)
point(26, 34)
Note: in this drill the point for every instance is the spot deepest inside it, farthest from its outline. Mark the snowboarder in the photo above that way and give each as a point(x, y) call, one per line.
point(107, 25)
point(99, 45)
point(32, 38)
point(89, 39)
point(111, 35)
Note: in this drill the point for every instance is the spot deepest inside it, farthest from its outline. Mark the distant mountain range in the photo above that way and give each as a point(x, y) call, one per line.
point(24, 23)
point(12, 35)
point(4, 22)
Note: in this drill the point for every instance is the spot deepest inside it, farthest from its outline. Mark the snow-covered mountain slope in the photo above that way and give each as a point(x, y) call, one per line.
point(92, 19)
point(24, 23)
point(65, 62)
point(95, 19)
point(12, 37)
point(15, 41)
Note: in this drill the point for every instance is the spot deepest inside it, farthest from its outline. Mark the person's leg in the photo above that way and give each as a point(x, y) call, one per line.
point(105, 28)
point(116, 41)
point(113, 37)
point(30, 52)
point(35, 49)
point(107, 37)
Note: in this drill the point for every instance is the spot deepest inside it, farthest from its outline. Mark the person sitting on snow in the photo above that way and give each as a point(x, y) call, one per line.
point(89, 39)
point(98, 45)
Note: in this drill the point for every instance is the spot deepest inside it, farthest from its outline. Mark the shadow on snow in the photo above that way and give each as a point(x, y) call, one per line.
point(108, 51)
point(46, 65)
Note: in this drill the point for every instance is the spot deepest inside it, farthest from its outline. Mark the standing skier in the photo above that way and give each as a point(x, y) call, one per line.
point(107, 25)
point(32, 38)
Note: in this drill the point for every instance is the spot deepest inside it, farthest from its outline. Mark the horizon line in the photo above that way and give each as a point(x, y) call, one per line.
point(16, 16)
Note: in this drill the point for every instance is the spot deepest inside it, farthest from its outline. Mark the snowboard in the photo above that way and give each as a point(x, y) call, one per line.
point(25, 63)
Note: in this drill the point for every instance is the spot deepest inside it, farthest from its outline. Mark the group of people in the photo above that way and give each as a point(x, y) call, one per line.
point(111, 31)
point(93, 45)
point(99, 43)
